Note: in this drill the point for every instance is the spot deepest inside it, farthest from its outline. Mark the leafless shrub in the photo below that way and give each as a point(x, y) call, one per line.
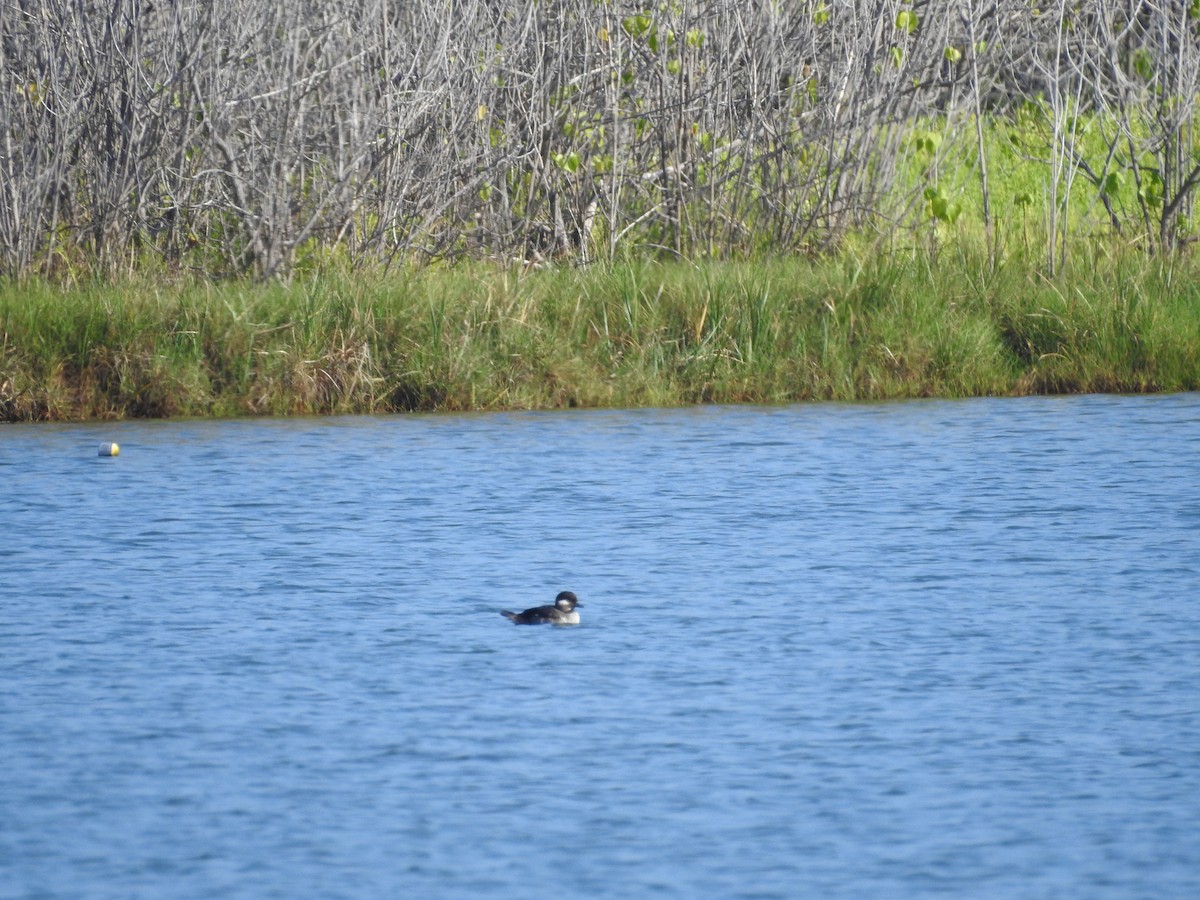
point(235, 136)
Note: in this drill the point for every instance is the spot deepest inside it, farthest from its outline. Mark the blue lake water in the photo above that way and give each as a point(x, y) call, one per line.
point(929, 648)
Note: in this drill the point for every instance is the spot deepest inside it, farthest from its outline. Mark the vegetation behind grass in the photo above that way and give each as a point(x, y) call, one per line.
point(200, 204)
point(861, 325)
point(236, 138)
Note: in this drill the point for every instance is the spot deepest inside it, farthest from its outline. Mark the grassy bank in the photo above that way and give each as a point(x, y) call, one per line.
point(864, 325)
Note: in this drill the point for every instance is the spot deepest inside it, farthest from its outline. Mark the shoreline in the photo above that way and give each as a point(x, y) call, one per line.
point(776, 330)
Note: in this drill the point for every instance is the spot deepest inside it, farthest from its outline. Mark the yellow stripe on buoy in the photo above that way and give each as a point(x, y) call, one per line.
point(109, 449)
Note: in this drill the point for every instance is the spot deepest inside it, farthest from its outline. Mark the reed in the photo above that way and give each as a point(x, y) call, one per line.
point(862, 325)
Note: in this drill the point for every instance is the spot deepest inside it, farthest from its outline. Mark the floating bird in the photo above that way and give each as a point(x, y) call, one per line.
point(561, 613)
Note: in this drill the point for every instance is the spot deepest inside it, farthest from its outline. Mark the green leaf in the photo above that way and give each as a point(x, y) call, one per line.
point(927, 142)
point(1143, 64)
point(945, 209)
point(897, 57)
point(952, 54)
point(659, 40)
point(568, 162)
point(907, 21)
point(636, 26)
point(1151, 192)
point(821, 14)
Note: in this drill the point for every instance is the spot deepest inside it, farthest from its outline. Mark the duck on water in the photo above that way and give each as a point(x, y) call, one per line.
point(561, 613)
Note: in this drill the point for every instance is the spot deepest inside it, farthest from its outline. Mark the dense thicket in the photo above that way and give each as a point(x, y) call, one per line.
point(240, 136)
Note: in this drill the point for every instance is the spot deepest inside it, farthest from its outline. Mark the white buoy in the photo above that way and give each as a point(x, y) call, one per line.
point(109, 448)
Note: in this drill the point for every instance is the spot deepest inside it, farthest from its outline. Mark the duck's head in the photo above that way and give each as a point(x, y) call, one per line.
point(566, 601)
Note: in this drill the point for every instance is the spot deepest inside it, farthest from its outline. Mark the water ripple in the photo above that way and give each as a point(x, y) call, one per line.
point(836, 650)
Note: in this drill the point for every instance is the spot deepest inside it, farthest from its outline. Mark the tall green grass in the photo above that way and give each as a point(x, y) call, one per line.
point(861, 325)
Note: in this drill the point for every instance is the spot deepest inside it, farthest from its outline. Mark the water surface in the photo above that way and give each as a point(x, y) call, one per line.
point(934, 648)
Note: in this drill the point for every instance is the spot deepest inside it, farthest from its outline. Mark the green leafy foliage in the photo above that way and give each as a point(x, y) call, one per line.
point(568, 162)
point(907, 21)
point(660, 39)
point(1143, 64)
point(1151, 190)
point(927, 142)
point(941, 206)
point(637, 26)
